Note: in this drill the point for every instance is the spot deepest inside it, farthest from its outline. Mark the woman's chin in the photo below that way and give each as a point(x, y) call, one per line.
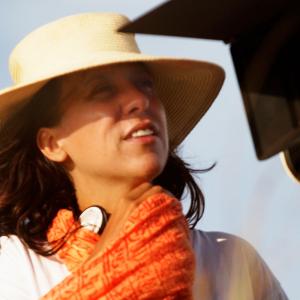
point(146, 170)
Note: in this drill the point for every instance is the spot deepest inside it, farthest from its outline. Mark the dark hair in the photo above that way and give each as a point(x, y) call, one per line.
point(33, 189)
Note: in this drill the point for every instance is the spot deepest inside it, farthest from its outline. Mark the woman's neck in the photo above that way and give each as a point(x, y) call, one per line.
point(103, 192)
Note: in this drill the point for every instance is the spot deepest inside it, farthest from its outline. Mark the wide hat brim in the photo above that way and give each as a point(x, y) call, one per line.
point(186, 88)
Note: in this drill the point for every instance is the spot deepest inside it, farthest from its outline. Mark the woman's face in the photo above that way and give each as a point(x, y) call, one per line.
point(113, 125)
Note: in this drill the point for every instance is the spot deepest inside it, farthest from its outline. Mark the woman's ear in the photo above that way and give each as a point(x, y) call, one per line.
point(48, 144)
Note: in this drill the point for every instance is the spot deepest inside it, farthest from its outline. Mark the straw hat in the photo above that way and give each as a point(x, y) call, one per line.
point(187, 88)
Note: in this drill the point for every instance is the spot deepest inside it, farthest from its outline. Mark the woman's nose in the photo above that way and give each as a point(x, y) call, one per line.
point(135, 101)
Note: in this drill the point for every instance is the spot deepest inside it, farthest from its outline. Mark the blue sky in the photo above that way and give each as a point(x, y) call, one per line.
point(255, 200)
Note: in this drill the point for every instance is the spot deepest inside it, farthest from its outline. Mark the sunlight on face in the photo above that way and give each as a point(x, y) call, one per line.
point(113, 125)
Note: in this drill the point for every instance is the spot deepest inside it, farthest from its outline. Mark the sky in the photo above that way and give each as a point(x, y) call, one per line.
point(253, 199)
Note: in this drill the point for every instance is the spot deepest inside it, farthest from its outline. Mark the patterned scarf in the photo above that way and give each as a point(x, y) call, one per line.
point(152, 257)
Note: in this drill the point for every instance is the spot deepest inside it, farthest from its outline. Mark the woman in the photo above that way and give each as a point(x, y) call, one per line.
point(91, 122)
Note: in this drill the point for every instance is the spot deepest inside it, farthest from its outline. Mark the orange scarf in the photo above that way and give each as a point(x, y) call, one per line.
point(152, 257)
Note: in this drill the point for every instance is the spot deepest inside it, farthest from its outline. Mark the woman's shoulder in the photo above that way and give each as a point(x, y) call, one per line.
point(220, 249)
point(234, 266)
point(11, 251)
point(226, 250)
point(216, 237)
point(13, 280)
point(219, 242)
point(25, 274)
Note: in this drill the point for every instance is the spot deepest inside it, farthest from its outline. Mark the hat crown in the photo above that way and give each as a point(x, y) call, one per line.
point(55, 47)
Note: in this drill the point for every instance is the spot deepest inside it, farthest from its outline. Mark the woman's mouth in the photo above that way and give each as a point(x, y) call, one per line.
point(144, 136)
point(143, 132)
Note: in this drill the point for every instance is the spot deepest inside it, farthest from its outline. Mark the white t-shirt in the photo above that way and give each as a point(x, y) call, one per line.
point(227, 268)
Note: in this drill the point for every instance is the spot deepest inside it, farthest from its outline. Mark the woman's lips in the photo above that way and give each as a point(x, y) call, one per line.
point(141, 131)
point(144, 136)
point(147, 139)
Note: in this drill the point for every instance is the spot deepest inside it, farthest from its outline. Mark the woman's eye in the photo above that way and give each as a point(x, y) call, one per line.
point(146, 85)
point(101, 91)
